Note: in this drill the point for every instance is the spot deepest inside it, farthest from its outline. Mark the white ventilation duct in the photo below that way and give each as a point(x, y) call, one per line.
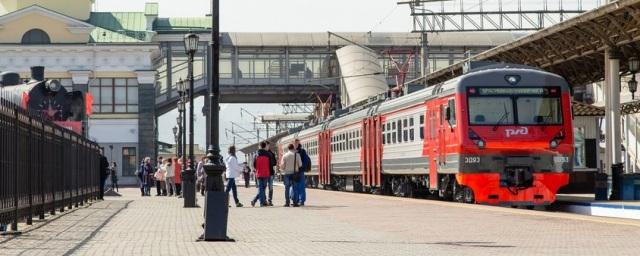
point(363, 76)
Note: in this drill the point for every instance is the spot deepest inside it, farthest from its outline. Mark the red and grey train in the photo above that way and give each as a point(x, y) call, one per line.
point(499, 135)
point(46, 98)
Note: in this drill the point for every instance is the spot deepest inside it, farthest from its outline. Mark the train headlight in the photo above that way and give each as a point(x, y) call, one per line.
point(473, 136)
point(481, 144)
point(53, 85)
point(555, 142)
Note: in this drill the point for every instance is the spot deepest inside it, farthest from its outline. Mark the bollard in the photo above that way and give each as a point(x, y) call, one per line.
point(189, 187)
point(216, 210)
point(616, 181)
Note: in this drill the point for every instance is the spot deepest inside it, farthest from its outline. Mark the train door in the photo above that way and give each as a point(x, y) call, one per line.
point(442, 129)
point(432, 145)
point(324, 157)
point(371, 152)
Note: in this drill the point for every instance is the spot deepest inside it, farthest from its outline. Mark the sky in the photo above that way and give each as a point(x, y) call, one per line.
point(284, 15)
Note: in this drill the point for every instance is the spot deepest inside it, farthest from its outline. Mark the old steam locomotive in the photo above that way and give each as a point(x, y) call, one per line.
point(45, 98)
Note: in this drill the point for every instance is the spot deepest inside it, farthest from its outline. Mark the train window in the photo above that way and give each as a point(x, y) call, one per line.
point(441, 115)
point(411, 132)
point(452, 112)
point(399, 131)
point(393, 137)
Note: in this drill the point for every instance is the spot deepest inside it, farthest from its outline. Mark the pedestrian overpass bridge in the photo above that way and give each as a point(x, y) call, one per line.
point(292, 67)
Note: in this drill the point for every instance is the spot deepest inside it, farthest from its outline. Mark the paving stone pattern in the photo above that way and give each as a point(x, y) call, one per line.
point(332, 223)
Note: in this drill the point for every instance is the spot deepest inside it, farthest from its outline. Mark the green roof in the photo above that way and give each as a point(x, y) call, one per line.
point(101, 35)
point(119, 27)
point(131, 27)
point(182, 24)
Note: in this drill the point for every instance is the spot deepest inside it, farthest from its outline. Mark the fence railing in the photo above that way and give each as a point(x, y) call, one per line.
point(44, 168)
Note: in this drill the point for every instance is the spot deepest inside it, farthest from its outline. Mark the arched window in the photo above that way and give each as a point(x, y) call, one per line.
point(36, 36)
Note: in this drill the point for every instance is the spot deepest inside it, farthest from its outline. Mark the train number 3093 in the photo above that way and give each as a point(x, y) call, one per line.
point(471, 159)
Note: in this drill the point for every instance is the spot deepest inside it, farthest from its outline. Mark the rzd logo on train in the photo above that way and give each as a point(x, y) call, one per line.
point(515, 132)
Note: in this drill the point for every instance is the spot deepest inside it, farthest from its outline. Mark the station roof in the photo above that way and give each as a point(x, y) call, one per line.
point(573, 49)
point(321, 39)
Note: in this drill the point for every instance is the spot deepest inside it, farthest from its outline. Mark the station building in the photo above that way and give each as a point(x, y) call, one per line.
point(109, 54)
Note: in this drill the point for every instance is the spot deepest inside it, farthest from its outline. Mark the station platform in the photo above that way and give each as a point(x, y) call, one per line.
point(332, 223)
point(586, 204)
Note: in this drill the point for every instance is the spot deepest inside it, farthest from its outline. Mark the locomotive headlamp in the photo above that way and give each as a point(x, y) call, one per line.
point(53, 85)
point(512, 79)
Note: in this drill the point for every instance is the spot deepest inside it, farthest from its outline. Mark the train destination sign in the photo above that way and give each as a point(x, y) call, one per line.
point(554, 91)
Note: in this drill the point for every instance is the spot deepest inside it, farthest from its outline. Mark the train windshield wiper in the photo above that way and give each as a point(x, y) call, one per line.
point(504, 117)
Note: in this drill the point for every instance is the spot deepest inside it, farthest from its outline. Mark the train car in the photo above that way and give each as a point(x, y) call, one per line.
point(499, 135)
point(47, 98)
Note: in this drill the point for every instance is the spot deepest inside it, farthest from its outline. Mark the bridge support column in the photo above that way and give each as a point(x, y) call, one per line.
point(613, 139)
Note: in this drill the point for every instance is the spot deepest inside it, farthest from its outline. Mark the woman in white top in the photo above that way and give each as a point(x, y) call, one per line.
point(170, 177)
point(233, 170)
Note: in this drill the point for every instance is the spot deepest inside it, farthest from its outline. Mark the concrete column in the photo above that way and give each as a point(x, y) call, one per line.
point(424, 56)
point(169, 70)
point(614, 109)
point(607, 116)
point(146, 114)
point(80, 79)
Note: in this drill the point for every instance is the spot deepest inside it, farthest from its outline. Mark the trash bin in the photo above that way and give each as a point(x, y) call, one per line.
point(601, 186)
point(637, 186)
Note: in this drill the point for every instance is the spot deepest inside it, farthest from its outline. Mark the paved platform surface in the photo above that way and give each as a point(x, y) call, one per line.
point(333, 223)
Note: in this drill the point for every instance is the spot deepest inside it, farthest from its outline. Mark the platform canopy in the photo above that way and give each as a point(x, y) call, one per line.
point(574, 49)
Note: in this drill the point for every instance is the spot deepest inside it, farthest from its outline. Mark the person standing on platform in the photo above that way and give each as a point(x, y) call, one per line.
point(178, 176)
point(170, 177)
point(305, 167)
point(289, 166)
point(143, 175)
point(158, 182)
point(104, 172)
point(160, 177)
point(113, 172)
point(246, 173)
point(233, 171)
point(261, 165)
point(272, 172)
point(201, 176)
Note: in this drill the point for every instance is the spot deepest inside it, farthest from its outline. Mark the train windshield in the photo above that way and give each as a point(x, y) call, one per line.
point(514, 106)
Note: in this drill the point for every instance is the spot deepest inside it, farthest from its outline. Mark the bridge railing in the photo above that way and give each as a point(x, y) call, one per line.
point(44, 168)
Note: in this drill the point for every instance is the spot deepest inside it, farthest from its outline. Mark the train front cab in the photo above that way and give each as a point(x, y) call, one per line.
point(517, 143)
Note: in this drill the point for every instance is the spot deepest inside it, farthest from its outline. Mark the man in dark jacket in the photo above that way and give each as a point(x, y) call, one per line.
point(272, 171)
point(104, 172)
point(306, 165)
point(261, 165)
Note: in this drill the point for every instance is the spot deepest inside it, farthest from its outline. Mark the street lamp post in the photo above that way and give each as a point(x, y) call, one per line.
point(191, 42)
point(216, 209)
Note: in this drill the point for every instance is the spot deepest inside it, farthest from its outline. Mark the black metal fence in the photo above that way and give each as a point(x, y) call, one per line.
point(44, 168)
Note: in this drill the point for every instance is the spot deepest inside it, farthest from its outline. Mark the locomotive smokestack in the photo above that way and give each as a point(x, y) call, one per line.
point(37, 73)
